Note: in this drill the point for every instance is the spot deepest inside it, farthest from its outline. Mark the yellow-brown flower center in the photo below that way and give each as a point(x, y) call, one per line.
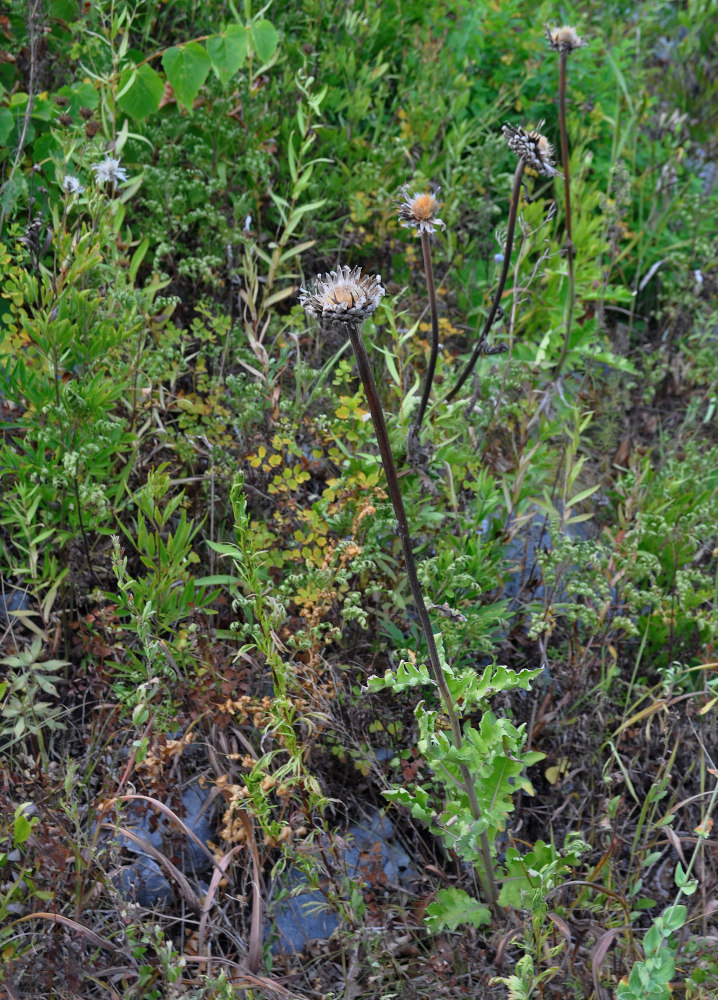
point(424, 206)
point(343, 293)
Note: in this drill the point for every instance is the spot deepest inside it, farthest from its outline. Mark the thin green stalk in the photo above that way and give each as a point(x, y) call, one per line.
point(431, 291)
point(480, 347)
point(570, 248)
point(392, 480)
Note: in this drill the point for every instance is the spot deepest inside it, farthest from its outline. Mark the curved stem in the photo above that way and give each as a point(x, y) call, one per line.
point(510, 230)
point(570, 249)
point(431, 291)
point(392, 482)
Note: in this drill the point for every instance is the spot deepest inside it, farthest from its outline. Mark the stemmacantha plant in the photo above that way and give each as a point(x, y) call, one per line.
point(476, 771)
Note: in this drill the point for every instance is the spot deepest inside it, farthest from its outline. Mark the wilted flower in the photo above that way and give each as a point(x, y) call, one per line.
point(86, 113)
point(92, 128)
point(64, 119)
point(343, 297)
point(531, 147)
point(418, 211)
point(564, 39)
point(109, 171)
point(71, 185)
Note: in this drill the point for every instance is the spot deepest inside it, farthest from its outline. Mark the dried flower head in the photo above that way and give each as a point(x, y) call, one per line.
point(418, 211)
point(109, 171)
point(531, 147)
point(92, 128)
point(71, 185)
point(64, 119)
point(563, 39)
point(343, 297)
point(86, 113)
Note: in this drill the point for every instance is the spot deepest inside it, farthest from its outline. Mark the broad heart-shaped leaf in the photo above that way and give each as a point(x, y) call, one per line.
point(227, 51)
point(264, 39)
point(140, 92)
point(186, 67)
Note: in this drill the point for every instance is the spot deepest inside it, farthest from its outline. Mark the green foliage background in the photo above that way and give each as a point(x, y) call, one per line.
point(192, 508)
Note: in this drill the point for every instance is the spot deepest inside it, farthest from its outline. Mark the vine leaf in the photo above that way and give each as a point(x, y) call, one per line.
point(186, 67)
point(141, 91)
point(227, 52)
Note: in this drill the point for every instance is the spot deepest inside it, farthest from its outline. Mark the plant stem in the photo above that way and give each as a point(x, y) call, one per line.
point(510, 230)
point(392, 481)
point(431, 291)
point(570, 248)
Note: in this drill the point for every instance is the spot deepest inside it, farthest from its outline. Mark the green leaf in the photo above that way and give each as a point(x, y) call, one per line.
point(186, 67)
point(407, 675)
point(226, 549)
point(137, 257)
point(264, 39)
point(140, 92)
point(22, 829)
point(674, 917)
point(63, 10)
point(454, 907)
point(227, 51)
point(688, 885)
point(14, 190)
point(653, 940)
point(7, 124)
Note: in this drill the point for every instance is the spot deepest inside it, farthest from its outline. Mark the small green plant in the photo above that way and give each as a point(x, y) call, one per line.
point(30, 702)
point(17, 873)
point(652, 975)
point(283, 767)
point(493, 753)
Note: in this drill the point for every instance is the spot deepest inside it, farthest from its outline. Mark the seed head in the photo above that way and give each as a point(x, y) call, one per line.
point(343, 297)
point(71, 185)
point(531, 147)
point(563, 39)
point(109, 171)
point(418, 211)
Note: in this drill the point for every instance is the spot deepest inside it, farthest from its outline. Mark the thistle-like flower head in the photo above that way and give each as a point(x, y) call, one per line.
point(563, 39)
point(531, 147)
point(343, 297)
point(109, 171)
point(71, 185)
point(418, 211)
